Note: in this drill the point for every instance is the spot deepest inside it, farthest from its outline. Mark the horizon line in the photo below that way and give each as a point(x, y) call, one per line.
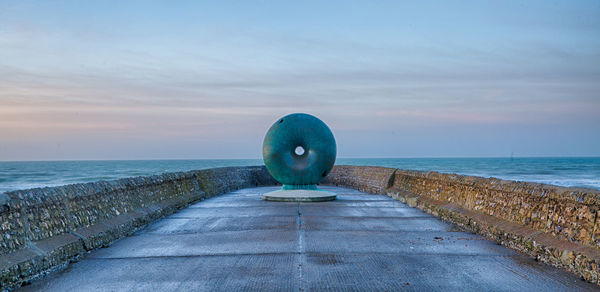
point(421, 157)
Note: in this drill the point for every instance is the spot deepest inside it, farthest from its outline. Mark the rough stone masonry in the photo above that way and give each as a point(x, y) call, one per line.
point(556, 225)
point(44, 229)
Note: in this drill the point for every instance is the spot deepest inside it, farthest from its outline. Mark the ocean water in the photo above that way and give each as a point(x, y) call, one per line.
point(578, 172)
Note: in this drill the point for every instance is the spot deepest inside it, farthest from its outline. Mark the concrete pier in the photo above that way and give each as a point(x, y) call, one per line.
point(237, 241)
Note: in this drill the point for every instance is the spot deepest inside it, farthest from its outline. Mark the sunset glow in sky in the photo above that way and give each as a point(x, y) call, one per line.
point(159, 80)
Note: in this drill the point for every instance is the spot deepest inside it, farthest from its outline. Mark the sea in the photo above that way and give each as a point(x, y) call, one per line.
point(563, 171)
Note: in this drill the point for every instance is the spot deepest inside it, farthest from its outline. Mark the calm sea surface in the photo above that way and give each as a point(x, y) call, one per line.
point(580, 172)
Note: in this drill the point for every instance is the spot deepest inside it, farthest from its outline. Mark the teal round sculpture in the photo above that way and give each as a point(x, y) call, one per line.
point(299, 151)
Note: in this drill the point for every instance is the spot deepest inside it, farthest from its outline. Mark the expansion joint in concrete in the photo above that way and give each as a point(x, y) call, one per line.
point(300, 250)
point(36, 249)
point(77, 234)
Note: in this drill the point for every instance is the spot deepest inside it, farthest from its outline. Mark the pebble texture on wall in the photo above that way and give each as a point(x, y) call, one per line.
point(45, 228)
point(555, 224)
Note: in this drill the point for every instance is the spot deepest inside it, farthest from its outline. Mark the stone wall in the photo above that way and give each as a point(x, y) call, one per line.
point(556, 225)
point(43, 229)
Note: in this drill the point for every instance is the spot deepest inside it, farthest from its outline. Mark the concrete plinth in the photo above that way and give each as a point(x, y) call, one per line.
point(299, 196)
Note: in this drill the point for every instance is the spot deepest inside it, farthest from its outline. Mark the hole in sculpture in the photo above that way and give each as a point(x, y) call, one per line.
point(299, 150)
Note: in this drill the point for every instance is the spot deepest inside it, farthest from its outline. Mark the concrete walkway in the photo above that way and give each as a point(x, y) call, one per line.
point(367, 242)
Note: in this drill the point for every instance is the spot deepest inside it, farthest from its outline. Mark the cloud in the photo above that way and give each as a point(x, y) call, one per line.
point(228, 77)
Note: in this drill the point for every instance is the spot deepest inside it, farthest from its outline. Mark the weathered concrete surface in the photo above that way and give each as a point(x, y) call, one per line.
point(238, 242)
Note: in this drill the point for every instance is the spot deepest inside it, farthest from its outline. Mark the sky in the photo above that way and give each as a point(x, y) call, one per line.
point(194, 80)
